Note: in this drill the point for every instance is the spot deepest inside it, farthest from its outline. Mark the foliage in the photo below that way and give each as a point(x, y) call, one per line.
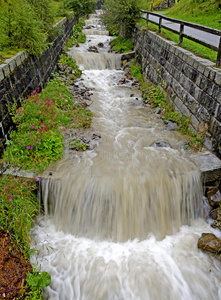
point(77, 37)
point(70, 62)
point(18, 208)
point(157, 98)
point(37, 281)
point(122, 45)
point(38, 138)
point(81, 22)
point(21, 27)
point(80, 7)
point(78, 145)
point(121, 16)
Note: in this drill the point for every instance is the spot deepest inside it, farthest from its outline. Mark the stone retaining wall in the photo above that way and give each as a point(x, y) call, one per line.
point(193, 84)
point(22, 74)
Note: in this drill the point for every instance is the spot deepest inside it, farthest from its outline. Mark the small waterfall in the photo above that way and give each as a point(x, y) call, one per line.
point(97, 61)
point(122, 220)
point(124, 206)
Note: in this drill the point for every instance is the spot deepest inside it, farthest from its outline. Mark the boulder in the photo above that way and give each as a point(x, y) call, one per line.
point(209, 242)
point(214, 197)
point(171, 126)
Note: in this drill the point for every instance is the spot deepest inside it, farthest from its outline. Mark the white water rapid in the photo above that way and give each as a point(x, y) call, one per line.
point(122, 220)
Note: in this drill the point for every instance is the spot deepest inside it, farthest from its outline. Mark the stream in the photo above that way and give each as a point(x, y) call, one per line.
point(122, 220)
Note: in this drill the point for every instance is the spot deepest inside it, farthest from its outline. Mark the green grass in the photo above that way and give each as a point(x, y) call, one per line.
point(204, 12)
point(195, 48)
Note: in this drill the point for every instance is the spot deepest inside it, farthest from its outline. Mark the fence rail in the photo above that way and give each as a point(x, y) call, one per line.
point(216, 34)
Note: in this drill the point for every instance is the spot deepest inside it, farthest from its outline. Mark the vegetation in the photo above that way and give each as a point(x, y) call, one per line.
point(155, 96)
point(195, 48)
point(38, 139)
point(204, 12)
point(122, 45)
point(18, 208)
point(80, 7)
point(121, 15)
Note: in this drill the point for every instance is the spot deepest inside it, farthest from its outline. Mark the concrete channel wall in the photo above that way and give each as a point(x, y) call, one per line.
point(22, 74)
point(193, 84)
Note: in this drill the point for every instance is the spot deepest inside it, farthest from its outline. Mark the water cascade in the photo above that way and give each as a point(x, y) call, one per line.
point(122, 220)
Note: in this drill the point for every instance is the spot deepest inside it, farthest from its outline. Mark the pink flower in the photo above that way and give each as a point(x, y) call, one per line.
point(37, 179)
point(39, 140)
point(28, 147)
point(10, 199)
point(5, 187)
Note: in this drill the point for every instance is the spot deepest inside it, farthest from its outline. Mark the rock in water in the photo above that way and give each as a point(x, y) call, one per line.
point(209, 242)
point(214, 197)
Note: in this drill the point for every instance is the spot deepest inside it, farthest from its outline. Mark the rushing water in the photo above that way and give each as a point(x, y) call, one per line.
point(122, 221)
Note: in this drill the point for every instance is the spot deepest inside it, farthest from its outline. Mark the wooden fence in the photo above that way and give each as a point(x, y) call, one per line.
point(146, 15)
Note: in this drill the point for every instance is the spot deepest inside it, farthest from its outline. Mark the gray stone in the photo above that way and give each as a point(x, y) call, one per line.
point(127, 56)
point(5, 69)
point(18, 59)
point(1, 74)
point(171, 126)
point(208, 164)
point(161, 144)
point(218, 79)
point(12, 64)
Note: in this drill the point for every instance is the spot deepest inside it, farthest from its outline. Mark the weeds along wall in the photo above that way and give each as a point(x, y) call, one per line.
point(22, 74)
point(193, 84)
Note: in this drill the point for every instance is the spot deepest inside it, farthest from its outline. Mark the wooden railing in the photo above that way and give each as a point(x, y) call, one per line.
point(180, 32)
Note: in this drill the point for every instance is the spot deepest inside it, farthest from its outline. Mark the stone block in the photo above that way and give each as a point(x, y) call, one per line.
point(218, 79)
point(216, 93)
point(218, 112)
point(208, 87)
point(18, 59)
point(201, 68)
point(181, 107)
point(201, 81)
point(5, 69)
point(203, 115)
point(12, 64)
point(2, 76)
point(191, 103)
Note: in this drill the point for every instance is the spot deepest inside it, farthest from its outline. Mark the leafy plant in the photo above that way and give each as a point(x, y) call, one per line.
point(36, 281)
point(18, 208)
point(122, 45)
point(79, 145)
point(70, 62)
point(121, 16)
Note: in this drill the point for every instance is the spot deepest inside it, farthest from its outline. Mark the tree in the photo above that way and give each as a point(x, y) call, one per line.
point(21, 27)
point(80, 7)
point(122, 15)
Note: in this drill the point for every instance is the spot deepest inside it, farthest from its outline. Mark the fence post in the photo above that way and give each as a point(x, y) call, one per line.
point(218, 60)
point(147, 18)
point(181, 33)
point(160, 23)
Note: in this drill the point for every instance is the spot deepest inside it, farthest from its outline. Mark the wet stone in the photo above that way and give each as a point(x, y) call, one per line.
point(161, 144)
point(214, 197)
point(171, 126)
point(209, 242)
